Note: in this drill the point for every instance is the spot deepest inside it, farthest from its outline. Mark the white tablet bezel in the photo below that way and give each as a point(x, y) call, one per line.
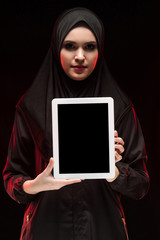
point(55, 103)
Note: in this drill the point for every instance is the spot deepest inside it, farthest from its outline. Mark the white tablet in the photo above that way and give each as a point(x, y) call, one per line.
point(83, 138)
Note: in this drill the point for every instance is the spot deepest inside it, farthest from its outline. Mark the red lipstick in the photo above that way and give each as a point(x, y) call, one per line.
point(79, 68)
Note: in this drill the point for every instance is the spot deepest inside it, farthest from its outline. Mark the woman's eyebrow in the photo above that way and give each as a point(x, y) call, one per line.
point(69, 41)
point(73, 42)
point(91, 42)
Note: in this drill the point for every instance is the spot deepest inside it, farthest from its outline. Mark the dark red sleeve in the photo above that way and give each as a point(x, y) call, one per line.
point(20, 165)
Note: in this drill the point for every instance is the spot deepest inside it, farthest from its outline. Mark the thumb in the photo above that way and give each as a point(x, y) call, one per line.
point(50, 166)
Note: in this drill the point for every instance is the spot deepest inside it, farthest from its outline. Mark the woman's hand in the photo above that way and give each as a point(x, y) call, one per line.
point(45, 181)
point(119, 149)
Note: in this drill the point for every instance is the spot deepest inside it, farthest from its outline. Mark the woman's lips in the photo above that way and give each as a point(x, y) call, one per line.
point(79, 68)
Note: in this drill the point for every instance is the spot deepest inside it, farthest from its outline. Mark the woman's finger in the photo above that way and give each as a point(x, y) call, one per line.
point(115, 134)
point(118, 157)
point(119, 148)
point(119, 140)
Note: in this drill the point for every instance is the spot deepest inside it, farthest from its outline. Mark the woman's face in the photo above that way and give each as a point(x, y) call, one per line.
point(79, 53)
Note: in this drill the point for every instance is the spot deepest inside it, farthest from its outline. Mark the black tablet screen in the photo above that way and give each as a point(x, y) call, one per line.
point(83, 138)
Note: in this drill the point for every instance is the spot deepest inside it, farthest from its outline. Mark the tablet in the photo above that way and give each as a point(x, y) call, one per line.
point(83, 138)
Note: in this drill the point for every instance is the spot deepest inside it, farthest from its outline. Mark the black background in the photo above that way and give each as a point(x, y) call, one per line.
point(132, 48)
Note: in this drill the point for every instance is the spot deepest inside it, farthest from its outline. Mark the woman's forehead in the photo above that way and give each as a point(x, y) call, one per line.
point(80, 34)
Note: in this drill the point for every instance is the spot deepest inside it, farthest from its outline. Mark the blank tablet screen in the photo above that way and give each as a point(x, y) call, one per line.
point(83, 138)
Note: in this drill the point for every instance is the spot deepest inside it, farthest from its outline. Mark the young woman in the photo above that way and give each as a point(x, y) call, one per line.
point(73, 209)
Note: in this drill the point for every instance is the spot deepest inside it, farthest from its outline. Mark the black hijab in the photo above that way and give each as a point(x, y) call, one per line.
point(51, 81)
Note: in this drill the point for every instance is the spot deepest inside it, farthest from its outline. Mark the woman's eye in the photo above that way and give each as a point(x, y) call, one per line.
point(90, 47)
point(69, 46)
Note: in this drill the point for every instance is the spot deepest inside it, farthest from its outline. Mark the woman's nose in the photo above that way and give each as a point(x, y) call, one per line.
point(80, 55)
